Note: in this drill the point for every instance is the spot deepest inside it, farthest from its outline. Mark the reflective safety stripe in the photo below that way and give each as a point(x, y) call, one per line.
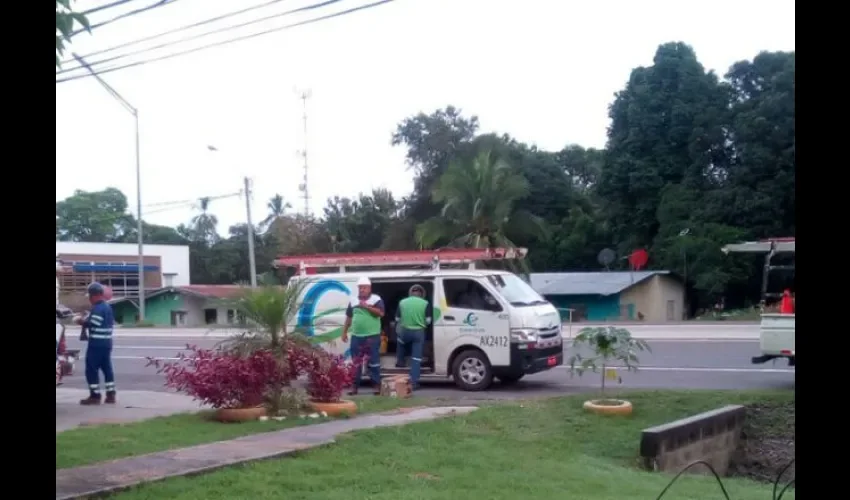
point(110, 385)
point(374, 365)
point(100, 330)
point(99, 336)
point(93, 386)
point(416, 359)
point(94, 322)
point(96, 317)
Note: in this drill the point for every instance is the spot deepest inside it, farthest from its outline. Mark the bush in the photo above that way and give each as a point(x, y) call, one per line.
point(328, 375)
point(223, 379)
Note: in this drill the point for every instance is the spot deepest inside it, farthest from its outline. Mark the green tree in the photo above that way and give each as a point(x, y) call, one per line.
point(479, 196)
point(360, 225)
point(667, 126)
point(66, 20)
point(432, 140)
point(277, 207)
point(759, 184)
point(204, 228)
point(93, 216)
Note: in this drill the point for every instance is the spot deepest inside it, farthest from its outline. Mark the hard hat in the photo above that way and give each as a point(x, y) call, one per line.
point(364, 281)
point(417, 289)
point(94, 288)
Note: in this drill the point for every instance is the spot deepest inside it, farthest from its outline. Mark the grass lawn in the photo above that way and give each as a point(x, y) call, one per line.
point(546, 449)
point(87, 445)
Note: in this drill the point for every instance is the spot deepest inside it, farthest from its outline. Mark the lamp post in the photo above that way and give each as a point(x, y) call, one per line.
point(135, 112)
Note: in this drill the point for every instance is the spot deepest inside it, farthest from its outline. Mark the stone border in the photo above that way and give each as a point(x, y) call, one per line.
point(711, 436)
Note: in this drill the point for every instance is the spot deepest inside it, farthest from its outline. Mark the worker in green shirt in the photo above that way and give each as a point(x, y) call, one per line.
point(363, 319)
point(413, 316)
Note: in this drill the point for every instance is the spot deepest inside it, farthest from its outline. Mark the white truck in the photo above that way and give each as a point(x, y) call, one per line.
point(508, 332)
point(777, 330)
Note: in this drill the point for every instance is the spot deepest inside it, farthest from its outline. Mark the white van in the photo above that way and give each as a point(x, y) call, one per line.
point(507, 332)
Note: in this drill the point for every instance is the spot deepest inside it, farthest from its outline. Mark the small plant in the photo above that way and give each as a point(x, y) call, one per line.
point(223, 379)
point(328, 375)
point(609, 345)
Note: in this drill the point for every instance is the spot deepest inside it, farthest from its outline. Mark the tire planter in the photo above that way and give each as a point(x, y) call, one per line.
point(604, 406)
point(341, 407)
point(239, 414)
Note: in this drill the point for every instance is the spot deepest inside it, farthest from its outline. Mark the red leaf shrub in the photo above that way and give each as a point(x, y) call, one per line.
point(223, 379)
point(328, 375)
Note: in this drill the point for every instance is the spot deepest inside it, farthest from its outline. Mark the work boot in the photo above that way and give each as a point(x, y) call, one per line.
point(110, 398)
point(92, 400)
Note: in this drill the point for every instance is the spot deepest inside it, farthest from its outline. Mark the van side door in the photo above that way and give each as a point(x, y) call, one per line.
point(473, 315)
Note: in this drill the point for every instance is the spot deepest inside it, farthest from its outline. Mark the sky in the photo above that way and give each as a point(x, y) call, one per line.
point(543, 71)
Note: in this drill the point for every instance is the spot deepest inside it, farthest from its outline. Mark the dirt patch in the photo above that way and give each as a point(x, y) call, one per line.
point(767, 444)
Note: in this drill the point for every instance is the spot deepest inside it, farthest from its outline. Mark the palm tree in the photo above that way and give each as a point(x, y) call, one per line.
point(269, 311)
point(479, 205)
point(204, 224)
point(277, 208)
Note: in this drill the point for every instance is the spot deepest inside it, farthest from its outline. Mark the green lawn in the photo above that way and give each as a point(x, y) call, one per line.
point(546, 449)
point(86, 445)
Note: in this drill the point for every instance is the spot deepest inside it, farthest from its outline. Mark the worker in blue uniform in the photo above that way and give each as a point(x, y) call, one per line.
point(99, 324)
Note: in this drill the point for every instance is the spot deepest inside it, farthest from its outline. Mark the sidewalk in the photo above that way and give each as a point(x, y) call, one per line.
point(131, 406)
point(116, 475)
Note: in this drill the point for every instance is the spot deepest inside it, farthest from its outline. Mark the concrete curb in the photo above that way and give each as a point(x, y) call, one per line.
point(117, 475)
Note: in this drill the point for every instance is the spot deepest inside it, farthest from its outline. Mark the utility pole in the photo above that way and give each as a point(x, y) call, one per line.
point(135, 112)
point(304, 187)
point(252, 263)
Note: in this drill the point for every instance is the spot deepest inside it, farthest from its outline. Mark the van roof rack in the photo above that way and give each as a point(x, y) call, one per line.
point(310, 264)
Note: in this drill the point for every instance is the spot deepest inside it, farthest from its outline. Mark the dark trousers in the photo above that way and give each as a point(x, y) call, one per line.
point(99, 359)
point(410, 342)
point(370, 347)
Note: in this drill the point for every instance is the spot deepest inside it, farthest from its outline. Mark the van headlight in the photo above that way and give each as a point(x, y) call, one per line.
point(523, 335)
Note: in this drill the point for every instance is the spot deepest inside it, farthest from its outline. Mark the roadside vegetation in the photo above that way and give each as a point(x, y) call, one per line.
point(547, 448)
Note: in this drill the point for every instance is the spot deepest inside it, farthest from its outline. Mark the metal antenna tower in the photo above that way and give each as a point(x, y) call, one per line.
point(304, 187)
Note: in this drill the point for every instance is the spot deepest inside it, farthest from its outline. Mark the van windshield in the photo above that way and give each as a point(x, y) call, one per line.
point(515, 290)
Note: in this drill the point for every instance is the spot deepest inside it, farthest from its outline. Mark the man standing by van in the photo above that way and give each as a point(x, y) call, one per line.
point(412, 318)
point(363, 320)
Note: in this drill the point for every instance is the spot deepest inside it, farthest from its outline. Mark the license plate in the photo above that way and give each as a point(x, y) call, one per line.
point(551, 361)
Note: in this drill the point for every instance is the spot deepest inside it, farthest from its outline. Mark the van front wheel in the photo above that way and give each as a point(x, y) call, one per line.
point(472, 371)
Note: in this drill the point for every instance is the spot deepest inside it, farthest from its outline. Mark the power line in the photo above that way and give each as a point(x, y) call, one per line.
point(177, 30)
point(194, 200)
point(106, 6)
point(160, 3)
point(232, 40)
point(202, 35)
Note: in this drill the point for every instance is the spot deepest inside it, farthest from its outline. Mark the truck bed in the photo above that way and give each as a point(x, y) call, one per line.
point(777, 337)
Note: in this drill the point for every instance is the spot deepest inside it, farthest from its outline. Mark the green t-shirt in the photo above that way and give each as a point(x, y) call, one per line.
point(413, 313)
point(364, 323)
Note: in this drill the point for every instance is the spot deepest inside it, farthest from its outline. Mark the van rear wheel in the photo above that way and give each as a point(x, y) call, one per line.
point(472, 371)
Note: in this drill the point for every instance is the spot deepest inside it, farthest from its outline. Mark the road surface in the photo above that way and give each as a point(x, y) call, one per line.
point(703, 356)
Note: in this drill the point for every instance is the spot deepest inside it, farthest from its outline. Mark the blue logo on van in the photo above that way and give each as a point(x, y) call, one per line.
point(470, 320)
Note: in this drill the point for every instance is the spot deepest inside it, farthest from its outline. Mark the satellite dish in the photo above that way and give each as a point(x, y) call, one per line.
point(606, 257)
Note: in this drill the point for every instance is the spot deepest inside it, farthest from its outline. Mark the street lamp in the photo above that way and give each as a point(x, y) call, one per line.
point(252, 263)
point(135, 112)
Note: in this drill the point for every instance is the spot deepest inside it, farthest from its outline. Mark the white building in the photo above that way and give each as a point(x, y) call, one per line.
point(117, 265)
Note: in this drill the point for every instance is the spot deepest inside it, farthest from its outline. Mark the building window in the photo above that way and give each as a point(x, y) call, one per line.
point(231, 316)
point(671, 310)
point(211, 316)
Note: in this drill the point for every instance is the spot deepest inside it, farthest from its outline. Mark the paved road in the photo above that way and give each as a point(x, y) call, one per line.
point(689, 330)
point(712, 359)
